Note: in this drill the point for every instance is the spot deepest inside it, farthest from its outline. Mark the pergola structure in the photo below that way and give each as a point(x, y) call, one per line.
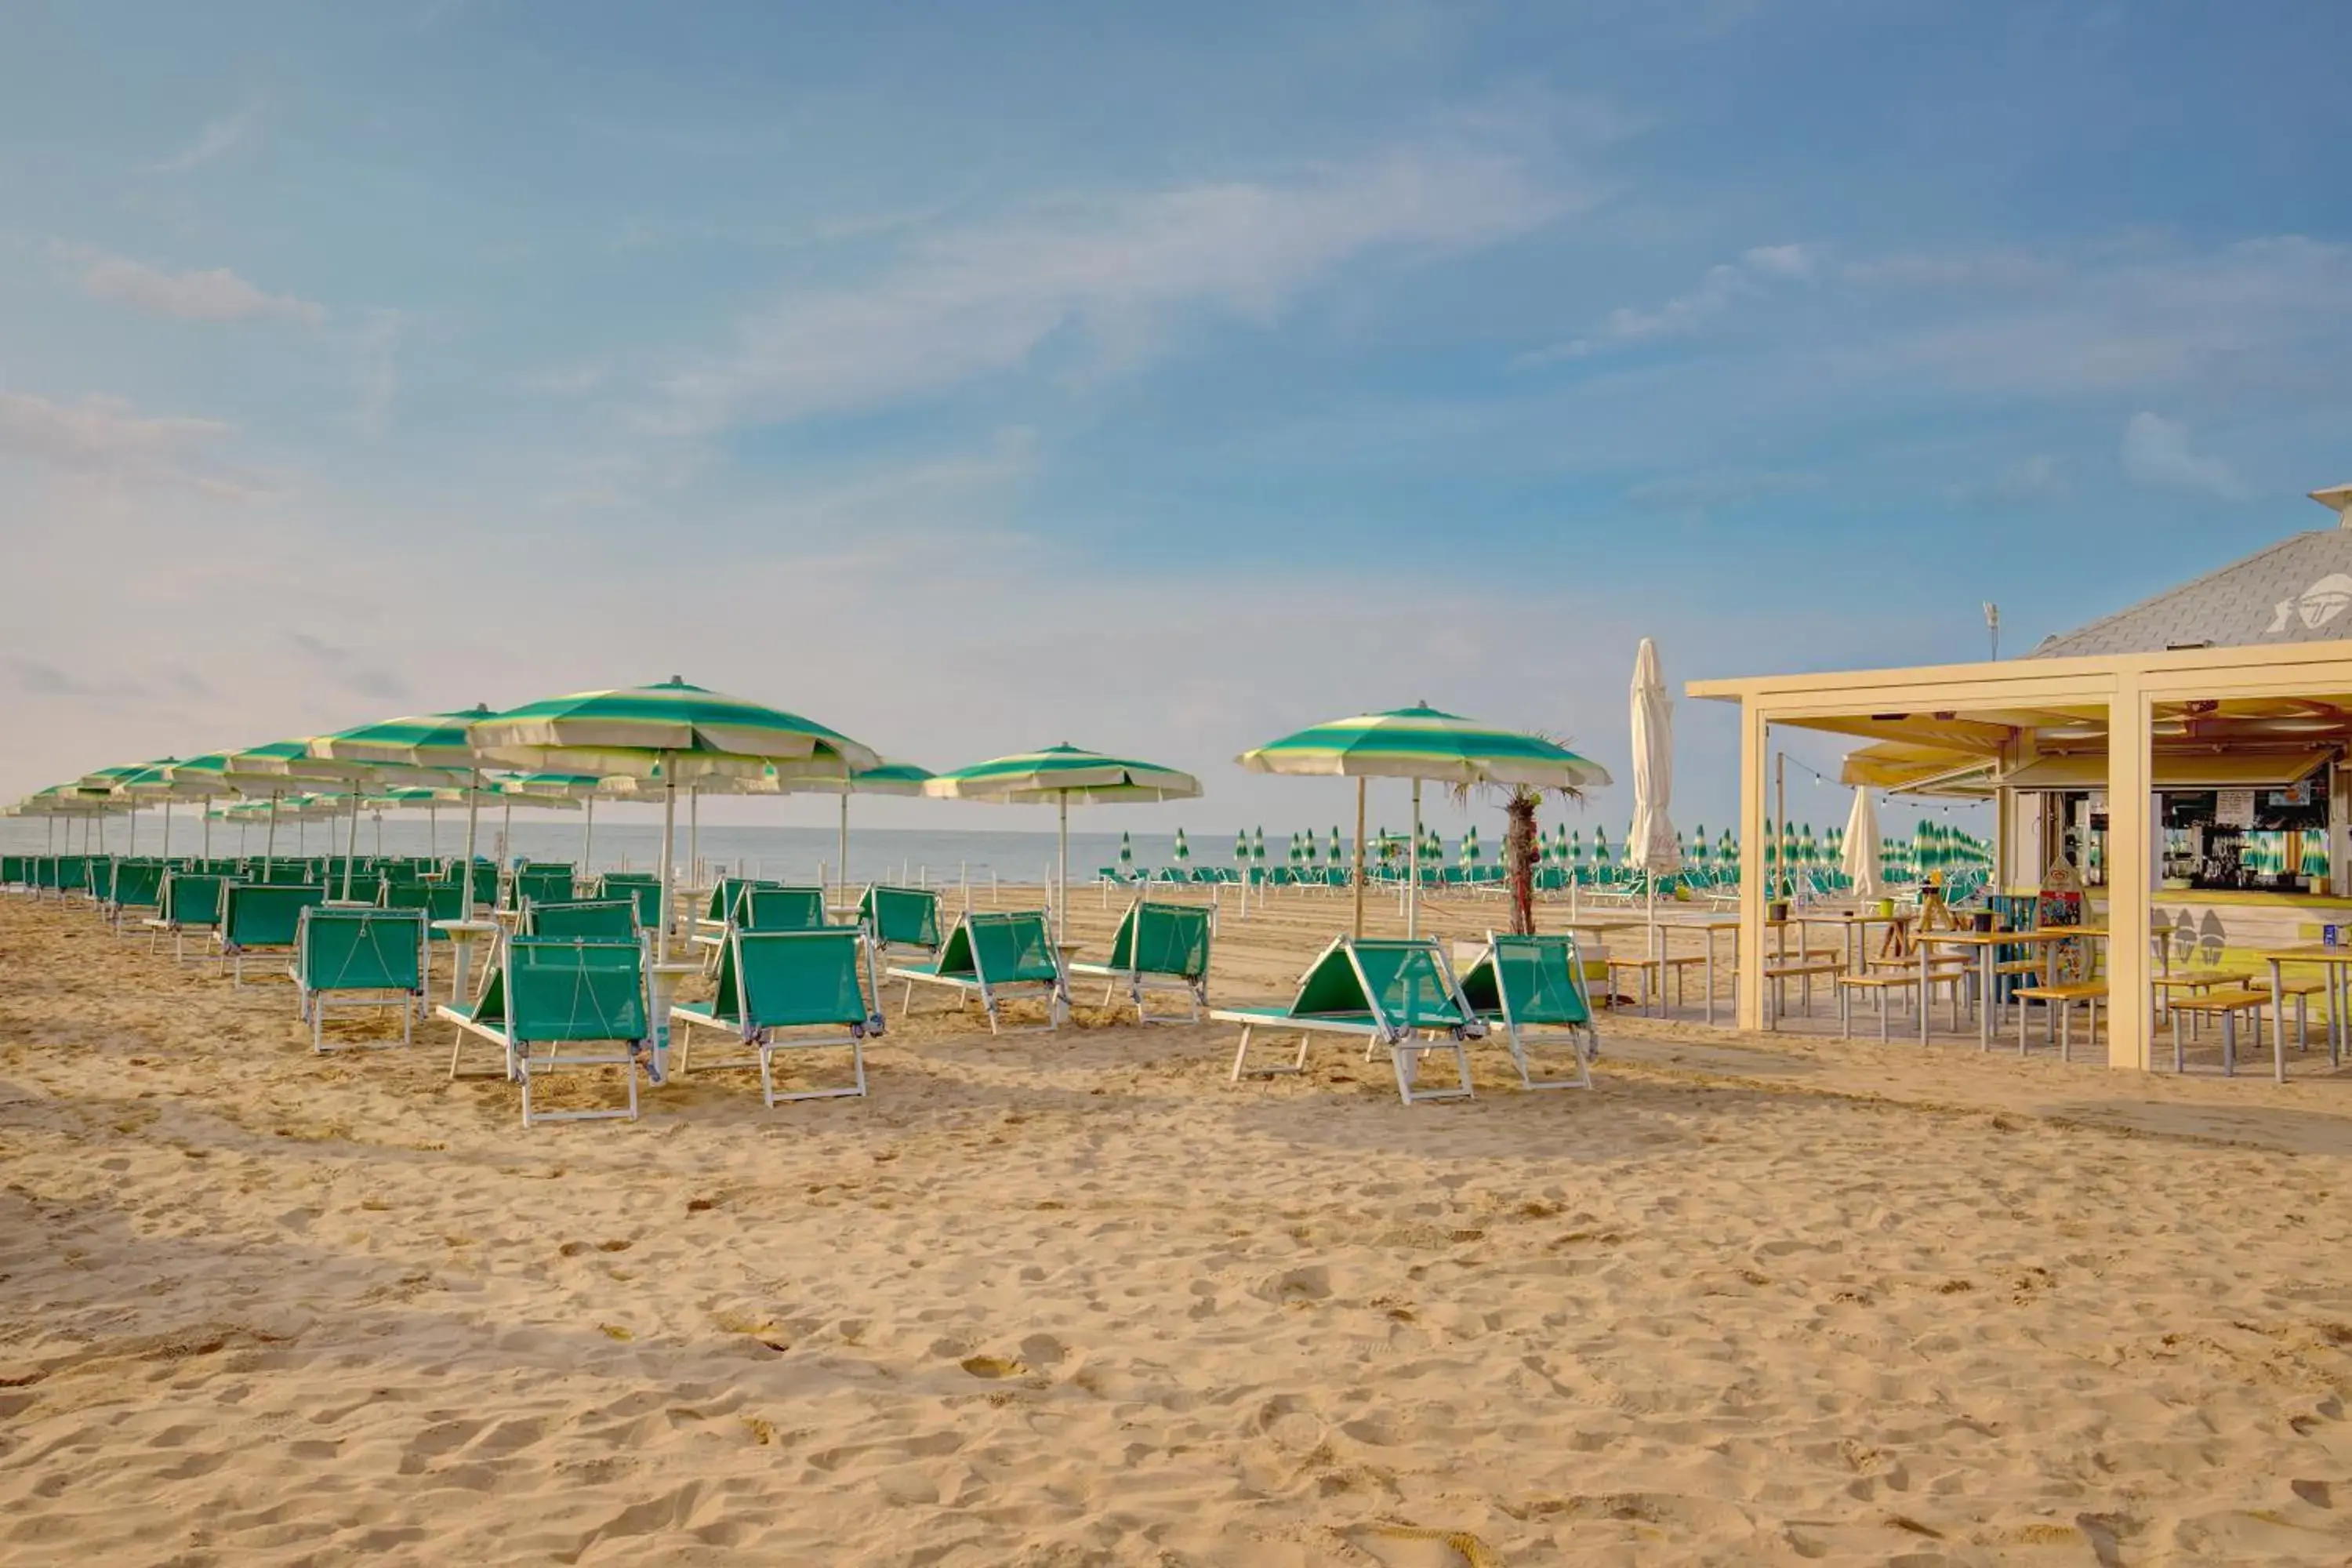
point(2241, 678)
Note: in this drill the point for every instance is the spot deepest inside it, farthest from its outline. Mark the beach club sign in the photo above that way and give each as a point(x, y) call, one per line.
point(2315, 606)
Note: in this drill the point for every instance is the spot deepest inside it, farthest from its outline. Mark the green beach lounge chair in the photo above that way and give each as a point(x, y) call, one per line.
point(351, 957)
point(17, 873)
point(542, 885)
point(555, 996)
point(775, 981)
point(1533, 988)
point(188, 900)
point(902, 921)
point(610, 919)
point(1393, 994)
point(258, 917)
point(992, 958)
point(138, 889)
point(1158, 947)
point(643, 888)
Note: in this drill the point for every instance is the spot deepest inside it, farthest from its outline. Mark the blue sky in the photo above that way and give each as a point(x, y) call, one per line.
point(1156, 379)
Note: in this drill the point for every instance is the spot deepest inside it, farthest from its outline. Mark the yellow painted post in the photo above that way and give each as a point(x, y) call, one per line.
point(1749, 1014)
point(2130, 805)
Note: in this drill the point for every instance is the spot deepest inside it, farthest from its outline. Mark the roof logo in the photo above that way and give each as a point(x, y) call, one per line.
point(2315, 606)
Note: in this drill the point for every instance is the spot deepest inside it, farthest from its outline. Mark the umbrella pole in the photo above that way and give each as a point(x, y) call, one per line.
point(207, 814)
point(1413, 887)
point(270, 842)
point(1359, 859)
point(351, 850)
point(379, 833)
point(1062, 875)
point(669, 833)
point(841, 865)
point(587, 828)
point(473, 810)
point(167, 827)
point(693, 834)
point(506, 828)
point(433, 832)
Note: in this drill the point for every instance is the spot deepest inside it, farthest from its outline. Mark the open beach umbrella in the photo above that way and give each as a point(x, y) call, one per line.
point(1860, 861)
point(674, 732)
point(425, 742)
point(1421, 744)
point(1060, 775)
point(276, 770)
point(1650, 845)
point(558, 789)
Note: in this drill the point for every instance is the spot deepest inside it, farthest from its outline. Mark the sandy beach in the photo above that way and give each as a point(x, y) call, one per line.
point(1076, 1298)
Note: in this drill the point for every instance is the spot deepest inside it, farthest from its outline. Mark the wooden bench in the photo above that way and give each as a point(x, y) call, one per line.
point(1654, 971)
point(1848, 984)
point(1777, 975)
point(2225, 1004)
point(2302, 992)
point(2062, 999)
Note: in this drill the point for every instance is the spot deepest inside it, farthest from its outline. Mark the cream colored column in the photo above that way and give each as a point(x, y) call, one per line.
point(2130, 808)
point(1753, 751)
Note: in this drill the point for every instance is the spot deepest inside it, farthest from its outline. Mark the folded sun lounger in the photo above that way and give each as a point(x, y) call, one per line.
point(188, 900)
point(1158, 947)
point(1533, 988)
point(776, 981)
point(613, 920)
point(992, 958)
point(901, 921)
point(555, 996)
point(1401, 994)
point(347, 957)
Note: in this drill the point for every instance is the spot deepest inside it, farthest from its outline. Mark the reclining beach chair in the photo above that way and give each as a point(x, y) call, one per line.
point(554, 995)
point(17, 873)
point(901, 921)
point(771, 981)
point(606, 920)
point(188, 900)
point(1158, 947)
point(992, 958)
point(1387, 994)
point(98, 881)
point(257, 917)
point(1531, 984)
point(764, 906)
point(137, 888)
point(642, 888)
point(351, 957)
point(541, 884)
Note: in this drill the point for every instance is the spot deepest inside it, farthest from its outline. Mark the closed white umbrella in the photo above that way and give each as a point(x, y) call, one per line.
point(1650, 845)
point(1861, 859)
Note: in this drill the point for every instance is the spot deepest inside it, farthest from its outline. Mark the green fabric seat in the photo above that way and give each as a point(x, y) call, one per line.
point(542, 885)
point(640, 887)
point(1533, 987)
point(605, 918)
point(992, 958)
point(187, 900)
point(772, 980)
point(138, 885)
point(261, 916)
point(901, 918)
point(547, 1001)
point(1401, 994)
point(765, 909)
point(352, 957)
point(1162, 947)
point(16, 871)
point(436, 901)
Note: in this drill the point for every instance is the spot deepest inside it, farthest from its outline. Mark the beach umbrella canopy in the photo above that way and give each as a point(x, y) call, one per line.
point(1241, 848)
point(675, 732)
point(410, 750)
point(887, 776)
point(1860, 860)
point(1420, 743)
point(1060, 775)
point(1470, 851)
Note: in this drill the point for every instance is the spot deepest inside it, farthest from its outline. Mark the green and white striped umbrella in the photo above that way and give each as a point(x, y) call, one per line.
point(432, 750)
point(1126, 854)
point(1471, 853)
point(1338, 848)
point(1059, 775)
point(1307, 852)
point(1420, 744)
point(1241, 848)
point(1258, 847)
point(1182, 851)
point(674, 732)
point(886, 777)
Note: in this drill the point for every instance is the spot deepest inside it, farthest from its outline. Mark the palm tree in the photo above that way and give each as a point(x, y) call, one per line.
point(1522, 841)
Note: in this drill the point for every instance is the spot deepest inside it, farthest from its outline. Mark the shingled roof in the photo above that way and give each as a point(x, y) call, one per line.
point(2298, 590)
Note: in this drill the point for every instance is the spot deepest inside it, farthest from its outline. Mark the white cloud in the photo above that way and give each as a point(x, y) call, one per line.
point(2157, 452)
point(218, 295)
point(575, 382)
point(217, 137)
point(1725, 285)
point(104, 436)
point(981, 301)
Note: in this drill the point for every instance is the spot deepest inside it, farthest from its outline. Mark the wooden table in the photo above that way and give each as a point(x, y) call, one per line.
point(1601, 928)
point(2334, 960)
point(1986, 943)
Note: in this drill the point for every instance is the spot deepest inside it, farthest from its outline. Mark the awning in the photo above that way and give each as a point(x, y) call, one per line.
point(1916, 769)
point(2177, 769)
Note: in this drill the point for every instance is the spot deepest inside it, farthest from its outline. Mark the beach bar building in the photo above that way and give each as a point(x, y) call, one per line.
point(2221, 712)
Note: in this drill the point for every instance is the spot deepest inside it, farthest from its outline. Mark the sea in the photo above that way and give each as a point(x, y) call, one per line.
point(915, 856)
